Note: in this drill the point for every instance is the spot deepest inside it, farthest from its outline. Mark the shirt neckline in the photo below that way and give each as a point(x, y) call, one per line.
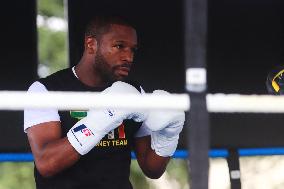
point(74, 72)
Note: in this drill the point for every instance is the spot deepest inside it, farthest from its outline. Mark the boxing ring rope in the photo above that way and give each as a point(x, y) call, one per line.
point(19, 100)
point(226, 103)
point(218, 103)
point(179, 154)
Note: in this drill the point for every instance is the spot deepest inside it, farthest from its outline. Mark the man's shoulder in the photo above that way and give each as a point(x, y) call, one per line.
point(57, 75)
point(58, 79)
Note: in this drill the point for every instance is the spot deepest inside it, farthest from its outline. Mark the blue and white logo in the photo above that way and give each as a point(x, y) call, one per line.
point(110, 113)
point(83, 129)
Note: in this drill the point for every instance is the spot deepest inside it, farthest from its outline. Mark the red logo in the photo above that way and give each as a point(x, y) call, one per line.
point(87, 132)
point(121, 132)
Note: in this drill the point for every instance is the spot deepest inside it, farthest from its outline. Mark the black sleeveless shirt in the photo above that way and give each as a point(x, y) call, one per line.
point(107, 165)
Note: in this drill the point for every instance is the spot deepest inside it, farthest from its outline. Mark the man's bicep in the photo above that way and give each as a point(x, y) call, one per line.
point(41, 134)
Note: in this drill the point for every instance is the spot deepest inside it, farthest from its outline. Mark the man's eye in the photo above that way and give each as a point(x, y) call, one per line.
point(119, 46)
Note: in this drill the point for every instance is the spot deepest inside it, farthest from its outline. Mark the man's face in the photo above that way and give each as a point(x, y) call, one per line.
point(115, 53)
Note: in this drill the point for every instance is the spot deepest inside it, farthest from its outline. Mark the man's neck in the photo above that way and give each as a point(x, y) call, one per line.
point(87, 75)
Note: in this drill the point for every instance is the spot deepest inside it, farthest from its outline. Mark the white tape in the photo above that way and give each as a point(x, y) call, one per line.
point(196, 79)
point(235, 174)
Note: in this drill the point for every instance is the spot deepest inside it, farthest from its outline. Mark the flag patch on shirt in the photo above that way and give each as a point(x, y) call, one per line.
point(78, 114)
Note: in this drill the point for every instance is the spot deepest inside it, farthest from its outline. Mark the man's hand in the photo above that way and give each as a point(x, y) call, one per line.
point(165, 127)
point(87, 132)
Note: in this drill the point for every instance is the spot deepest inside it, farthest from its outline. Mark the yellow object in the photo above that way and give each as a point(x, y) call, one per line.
point(274, 83)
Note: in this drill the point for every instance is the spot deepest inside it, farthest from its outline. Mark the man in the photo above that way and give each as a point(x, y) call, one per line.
point(92, 149)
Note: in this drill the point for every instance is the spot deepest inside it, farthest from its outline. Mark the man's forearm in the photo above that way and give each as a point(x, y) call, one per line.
point(154, 165)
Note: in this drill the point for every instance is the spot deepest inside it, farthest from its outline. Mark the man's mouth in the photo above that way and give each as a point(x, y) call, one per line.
point(123, 69)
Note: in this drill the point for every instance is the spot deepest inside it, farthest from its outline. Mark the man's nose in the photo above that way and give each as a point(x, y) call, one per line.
point(128, 55)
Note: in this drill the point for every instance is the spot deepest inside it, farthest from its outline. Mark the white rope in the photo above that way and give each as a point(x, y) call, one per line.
point(230, 103)
point(16, 100)
point(245, 103)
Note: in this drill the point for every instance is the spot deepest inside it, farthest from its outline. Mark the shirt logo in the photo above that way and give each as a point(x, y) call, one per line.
point(112, 140)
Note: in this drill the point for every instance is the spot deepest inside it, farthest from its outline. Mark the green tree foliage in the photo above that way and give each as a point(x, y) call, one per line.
point(52, 48)
point(137, 177)
point(16, 176)
point(52, 44)
point(51, 8)
point(177, 169)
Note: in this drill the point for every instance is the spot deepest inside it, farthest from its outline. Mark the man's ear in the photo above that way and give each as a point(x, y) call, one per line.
point(91, 45)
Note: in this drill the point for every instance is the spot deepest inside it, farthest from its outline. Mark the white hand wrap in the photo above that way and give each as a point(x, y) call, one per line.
point(87, 132)
point(165, 127)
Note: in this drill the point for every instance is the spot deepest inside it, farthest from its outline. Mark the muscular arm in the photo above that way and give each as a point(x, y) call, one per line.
point(52, 153)
point(152, 165)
